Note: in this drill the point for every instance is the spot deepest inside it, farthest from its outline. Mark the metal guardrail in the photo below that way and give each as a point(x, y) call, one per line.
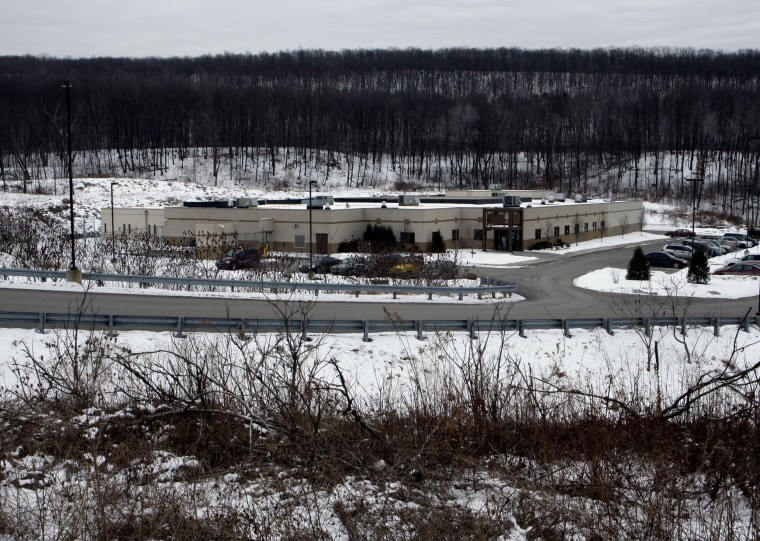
point(242, 327)
point(487, 287)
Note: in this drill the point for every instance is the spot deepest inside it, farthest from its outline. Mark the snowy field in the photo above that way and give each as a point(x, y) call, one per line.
point(584, 358)
point(393, 369)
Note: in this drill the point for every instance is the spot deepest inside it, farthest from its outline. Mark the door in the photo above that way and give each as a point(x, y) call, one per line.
point(322, 244)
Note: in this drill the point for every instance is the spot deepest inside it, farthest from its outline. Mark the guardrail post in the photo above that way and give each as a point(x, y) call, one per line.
point(304, 336)
point(716, 326)
point(521, 328)
point(430, 295)
point(41, 328)
point(418, 326)
point(395, 295)
point(566, 329)
point(471, 328)
point(683, 325)
point(647, 327)
point(111, 331)
point(460, 294)
point(365, 325)
point(180, 323)
point(746, 324)
point(608, 327)
point(240, 330)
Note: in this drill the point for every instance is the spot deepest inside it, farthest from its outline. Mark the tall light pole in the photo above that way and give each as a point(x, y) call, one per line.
point(113, 229)
point(73, 274)
point(752, 144)
point(311, 247)
point(694, 201)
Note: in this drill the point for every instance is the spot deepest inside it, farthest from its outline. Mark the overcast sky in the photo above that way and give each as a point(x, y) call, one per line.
point(139, 28)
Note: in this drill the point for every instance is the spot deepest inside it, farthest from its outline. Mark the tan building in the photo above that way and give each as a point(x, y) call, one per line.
point(478, 219)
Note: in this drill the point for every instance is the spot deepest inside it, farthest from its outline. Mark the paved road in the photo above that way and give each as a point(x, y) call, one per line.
point(545, 283)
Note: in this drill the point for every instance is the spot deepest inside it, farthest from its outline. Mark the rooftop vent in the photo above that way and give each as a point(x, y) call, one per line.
point(408, 201)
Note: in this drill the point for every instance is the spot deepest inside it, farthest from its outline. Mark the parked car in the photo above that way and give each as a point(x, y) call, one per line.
point(721, 249)
point(664, 259)
point(351, 266)
point(730, 242)
point(688, 233)
point(743, 269)
point(681, 251)
point(708, 249)
point(742, 241)
point(323, 266)
point(239, 259)
point(749, 258)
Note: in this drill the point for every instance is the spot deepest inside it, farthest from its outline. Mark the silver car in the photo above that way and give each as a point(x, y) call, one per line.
point(679, 250)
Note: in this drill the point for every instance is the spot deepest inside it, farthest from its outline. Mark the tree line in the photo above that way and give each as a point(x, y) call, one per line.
point(565, 120)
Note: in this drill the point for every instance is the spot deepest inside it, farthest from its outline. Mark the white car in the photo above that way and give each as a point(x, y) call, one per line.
point(749, 258)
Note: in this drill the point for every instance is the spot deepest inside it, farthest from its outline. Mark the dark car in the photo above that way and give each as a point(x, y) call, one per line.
point(352, 266)
point(664, 259)
point(323, 266)
point(742, 269)
point(708, 249)
point(239, 259)
point(688, 233)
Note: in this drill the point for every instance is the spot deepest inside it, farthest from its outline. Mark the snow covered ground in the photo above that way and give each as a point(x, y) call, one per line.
point(396, 364)
point(541, 347)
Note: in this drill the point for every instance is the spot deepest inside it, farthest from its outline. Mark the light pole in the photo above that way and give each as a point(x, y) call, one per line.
point(311, 247)
point(693, 202)
point(73, 274)
point(113, 229)
point(752, 144)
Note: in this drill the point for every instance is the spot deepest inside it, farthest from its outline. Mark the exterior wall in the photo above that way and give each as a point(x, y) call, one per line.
point(132, 220)
point(618, 217)
point(286, 227)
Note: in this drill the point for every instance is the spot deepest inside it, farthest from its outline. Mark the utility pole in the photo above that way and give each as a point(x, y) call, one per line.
point(73, 274)
point(311, 246)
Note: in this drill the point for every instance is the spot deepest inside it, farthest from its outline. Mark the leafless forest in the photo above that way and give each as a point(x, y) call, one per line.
point(564, 120)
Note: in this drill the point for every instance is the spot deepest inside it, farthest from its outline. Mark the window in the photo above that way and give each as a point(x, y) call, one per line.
point(556, 231)
point(567, 230)
point(577, 228)
point(406, 237)
point(593, 226)
point(601, 224)
point(455, 234)
point(477, 234)
point(538, 234)
point(299, 241)
point(585, 227)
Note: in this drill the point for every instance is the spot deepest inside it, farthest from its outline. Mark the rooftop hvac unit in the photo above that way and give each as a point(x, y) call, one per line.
point(408, 200)
point(246, 202)
point(318, 202)
point(511, 200)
